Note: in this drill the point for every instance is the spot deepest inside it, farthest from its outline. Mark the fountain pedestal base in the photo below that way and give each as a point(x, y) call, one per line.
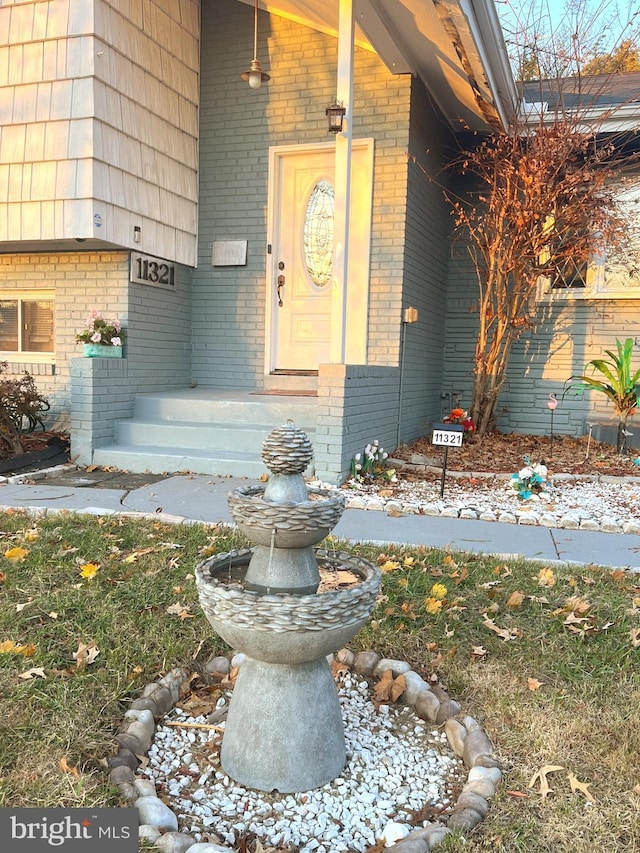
point(284, 731)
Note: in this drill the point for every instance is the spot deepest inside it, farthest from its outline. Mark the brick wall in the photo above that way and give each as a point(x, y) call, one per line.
point(237, 126)
point(565, 337)
point(356, 404)
point(80, 281)
point(156, 323)
point(426, 260)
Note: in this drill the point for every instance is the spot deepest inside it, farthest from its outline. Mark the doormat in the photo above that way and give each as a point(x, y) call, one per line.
point(275, 392)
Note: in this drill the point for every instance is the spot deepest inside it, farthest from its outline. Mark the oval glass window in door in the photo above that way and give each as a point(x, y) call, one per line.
point(318, 234)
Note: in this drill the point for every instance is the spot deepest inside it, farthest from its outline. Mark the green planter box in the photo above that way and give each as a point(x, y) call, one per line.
point(101, 351)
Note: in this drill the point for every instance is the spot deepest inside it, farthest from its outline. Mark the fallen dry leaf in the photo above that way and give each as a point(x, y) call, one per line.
point(180, 610)
point(89, 570)
point(16, 555)
point(575, 604)
point(142, 552)
point(197, 706)
point(9, 647)
point(504, 633)
point(534, 684)
point(479, 652)
point(634, 636)
point(515, 599)
point(66, 550)
point(67, 768)
point(35, 672)
point(583, 787)
point(459, 577)
point(541, 776)
point(338, 670)
point(518, 794)
point(229, 680)
point(574, 619)
point(546, 577)
point(388, 689)
point(85, 654)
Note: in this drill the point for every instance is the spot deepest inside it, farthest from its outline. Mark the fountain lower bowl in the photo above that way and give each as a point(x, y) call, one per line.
point(282, 627)
point(289, 524)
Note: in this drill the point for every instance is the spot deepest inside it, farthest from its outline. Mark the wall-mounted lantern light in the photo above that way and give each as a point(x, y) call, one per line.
point(255, 76)
point(335, 114)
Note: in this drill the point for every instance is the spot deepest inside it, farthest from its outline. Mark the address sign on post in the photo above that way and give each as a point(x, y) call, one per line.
point(447, 435)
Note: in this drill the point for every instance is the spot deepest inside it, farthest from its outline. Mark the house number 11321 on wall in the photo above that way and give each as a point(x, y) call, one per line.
point(153, 271)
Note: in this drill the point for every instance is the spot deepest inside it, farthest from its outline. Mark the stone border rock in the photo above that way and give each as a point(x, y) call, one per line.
point(159, 824)
point(570, 521)
point(42, 474)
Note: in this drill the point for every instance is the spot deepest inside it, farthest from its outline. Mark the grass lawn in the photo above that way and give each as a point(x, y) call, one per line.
point(545, 658)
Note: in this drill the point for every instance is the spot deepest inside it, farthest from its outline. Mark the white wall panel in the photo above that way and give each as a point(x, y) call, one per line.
point(99, 101)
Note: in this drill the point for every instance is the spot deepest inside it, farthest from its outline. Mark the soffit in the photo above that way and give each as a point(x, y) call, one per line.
point(440, 41)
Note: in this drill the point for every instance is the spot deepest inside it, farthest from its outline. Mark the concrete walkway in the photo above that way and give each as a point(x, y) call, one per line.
point(204, 498)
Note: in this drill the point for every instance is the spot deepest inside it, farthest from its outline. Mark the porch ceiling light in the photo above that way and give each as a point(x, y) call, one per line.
point(335, 114)
point(255, 76)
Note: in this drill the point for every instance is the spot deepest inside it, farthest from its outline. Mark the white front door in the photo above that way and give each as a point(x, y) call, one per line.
point(300, 272)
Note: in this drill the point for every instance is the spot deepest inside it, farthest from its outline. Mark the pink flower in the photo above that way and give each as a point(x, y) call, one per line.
point(116, 342)
point(96, 337)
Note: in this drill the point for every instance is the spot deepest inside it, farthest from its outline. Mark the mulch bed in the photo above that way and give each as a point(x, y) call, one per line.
point(40, 450)
point(504, 453)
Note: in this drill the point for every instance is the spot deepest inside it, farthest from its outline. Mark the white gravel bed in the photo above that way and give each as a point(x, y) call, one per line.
point(610, 507)
point(396, 765)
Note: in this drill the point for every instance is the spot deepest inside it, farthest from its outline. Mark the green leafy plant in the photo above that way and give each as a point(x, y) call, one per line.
point(616, 381)
point(371, 465)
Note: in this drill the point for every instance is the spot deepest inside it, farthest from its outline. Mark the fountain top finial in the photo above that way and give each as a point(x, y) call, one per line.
point(287, 450)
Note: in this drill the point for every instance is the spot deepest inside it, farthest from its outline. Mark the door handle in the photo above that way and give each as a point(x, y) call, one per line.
point(280, 289)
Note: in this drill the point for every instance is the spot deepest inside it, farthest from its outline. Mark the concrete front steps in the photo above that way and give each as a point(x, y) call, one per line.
point(204, 431)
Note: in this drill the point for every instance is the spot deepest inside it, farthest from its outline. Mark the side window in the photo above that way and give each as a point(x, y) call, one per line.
point(570, 276)
point(26, 323)
point(608, 275)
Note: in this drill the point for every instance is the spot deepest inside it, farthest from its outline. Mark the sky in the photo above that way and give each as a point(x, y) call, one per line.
point(599, 24)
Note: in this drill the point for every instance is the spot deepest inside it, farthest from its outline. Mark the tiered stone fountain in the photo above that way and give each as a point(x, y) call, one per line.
point(284, 731)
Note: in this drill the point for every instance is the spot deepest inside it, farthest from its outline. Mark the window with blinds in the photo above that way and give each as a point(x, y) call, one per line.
point(26, 323)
